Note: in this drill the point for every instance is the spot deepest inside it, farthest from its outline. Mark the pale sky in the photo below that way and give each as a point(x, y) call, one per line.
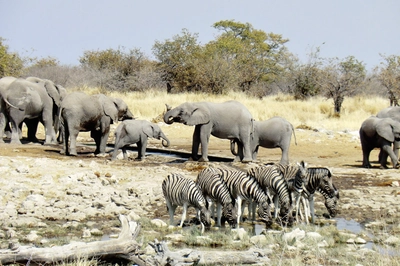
point(64, 29)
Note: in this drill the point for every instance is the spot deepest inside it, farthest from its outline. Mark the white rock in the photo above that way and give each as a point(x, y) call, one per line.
point(239, 233)
point(158, 223)
point(314, 235)
point(258, 240)
point(392, 240)
point(297, 234)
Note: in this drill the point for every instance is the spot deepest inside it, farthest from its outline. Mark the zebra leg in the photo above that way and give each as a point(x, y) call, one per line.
point(276, 206)
point(219, 212)
point(171, 210)
point(311, 201)
point(185, 206)
point(239, 210)
point(297, 200)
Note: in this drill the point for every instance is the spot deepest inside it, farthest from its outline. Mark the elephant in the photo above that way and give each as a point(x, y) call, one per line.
point(94, 113)
point(31, 102)
point(394, 113)
point(380, 133)
point(275, 132)
point(228, 120)
point(136, 131)
point(4, 125)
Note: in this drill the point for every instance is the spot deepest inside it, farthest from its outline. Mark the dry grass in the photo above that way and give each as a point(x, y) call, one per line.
point(313, 113)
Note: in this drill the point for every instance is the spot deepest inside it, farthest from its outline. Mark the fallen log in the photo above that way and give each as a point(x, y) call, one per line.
point(124, 247)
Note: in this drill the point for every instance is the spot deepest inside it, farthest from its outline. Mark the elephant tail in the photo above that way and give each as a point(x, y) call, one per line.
point(234, 152)
point(13, 106)
point(294, 134)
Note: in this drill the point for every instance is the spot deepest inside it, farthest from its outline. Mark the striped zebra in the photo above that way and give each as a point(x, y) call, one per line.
point(215, 190)
point(273, 183)
point(181, 191)
point(320, 179)
point(296, 177)
point(245, 188)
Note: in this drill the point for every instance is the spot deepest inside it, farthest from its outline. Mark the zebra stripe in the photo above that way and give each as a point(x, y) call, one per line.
point(215, 189)
point(296, 177)
point(273, 183)
point(181, 191)
point(320, 179)
point(244, 187)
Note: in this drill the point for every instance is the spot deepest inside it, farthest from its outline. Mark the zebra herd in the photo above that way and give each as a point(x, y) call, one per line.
point(283, 187)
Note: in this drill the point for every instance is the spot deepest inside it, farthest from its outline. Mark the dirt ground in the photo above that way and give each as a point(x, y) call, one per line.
point(339, 151)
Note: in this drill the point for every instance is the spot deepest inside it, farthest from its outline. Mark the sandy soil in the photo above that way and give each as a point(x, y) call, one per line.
point(340, 151)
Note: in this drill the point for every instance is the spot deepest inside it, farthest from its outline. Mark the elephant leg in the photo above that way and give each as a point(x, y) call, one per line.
point(47, 119)
point(396, 147)
point(96, 135)
point(388, 150)
point(103, 141)
point(32, 125)
point(139, 148)
point(124, 153)
point(204, 139)
point(142, 149)
point(366, 152)
point(73, 135)
point(285, 156)
point(239, 154)
point(2, 126)
point(196, 143)
point(15, 122)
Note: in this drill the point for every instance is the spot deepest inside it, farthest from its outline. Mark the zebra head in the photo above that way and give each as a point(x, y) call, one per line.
point(331, 203)
point(230, 213)
point(205, 217)
point(302, 171)
point(264, 212)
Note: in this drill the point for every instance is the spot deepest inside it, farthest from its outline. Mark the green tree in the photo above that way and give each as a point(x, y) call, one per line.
point(389, 76)
point(177, 59)
point(255, 54)
point(11, 64)
point(341, 78)
point(115, 67)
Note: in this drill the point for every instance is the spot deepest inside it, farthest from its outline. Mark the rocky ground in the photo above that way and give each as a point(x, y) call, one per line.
point(40, 187)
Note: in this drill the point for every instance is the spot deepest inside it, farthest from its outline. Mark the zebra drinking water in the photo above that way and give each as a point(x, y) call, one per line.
point(215, 189)
point(181, 191)
point(271, 180)
point(320, 179)
point(245, 188)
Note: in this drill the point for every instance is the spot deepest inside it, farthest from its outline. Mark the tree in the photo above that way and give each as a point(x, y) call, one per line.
point(389, 76)
point(177, 60)
point(11, 64)
point(341, 78)
point(255, 54)
point(116, 68)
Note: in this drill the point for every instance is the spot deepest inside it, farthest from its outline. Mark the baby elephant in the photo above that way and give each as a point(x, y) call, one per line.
point(136, 131)
point(379, 133)
point(275, 132)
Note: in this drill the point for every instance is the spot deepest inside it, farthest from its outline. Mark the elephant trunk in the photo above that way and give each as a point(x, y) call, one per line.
point(165, 141)
point(169, 117)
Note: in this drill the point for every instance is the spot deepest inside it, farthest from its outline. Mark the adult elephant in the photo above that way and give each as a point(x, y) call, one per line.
point(228, 120)
point(394, 113)
point(380, 133)
point(95, 113)
point(31, 102)
point(275, 132)
point(49, 85)
point(137, 131)
point(4, 125)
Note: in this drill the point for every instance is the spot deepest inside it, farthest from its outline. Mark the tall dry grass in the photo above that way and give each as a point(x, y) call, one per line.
point(316, 112)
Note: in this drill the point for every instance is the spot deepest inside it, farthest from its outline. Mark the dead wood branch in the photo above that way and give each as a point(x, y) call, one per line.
point(124, 247)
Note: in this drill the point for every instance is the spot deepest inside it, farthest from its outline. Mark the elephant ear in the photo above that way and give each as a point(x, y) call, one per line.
point(200, 115)
point(52, 91)
point(148, 130)
point(385, 129)
point(109, 107)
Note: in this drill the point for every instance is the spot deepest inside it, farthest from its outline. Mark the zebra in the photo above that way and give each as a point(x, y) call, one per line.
point(296, 177)
point(181, 191)
point(215, 189)
point(320, 179)
point(245, 188)
point(272, 181)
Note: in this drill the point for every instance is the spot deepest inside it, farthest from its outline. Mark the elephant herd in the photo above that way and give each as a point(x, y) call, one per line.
point(33, 100)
